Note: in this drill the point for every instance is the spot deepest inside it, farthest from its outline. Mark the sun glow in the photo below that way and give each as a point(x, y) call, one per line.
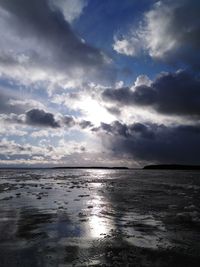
point(95, 112)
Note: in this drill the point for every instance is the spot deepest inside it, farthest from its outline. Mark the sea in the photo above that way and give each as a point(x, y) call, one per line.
point(99, 217)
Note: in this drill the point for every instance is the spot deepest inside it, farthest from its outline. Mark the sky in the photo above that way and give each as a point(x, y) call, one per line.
point(99, 82)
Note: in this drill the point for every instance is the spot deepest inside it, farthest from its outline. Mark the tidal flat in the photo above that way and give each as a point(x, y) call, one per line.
point(52, 217)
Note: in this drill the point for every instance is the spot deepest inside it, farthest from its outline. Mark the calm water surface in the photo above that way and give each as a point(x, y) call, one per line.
point(99, 218)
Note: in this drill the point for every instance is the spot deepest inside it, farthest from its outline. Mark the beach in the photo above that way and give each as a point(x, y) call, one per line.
point(52, 217)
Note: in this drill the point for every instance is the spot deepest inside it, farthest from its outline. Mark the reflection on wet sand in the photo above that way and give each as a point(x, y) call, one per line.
point(89, 218)
point(99, 225)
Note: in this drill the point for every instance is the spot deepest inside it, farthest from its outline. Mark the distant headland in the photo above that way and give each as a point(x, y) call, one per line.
point(171, 167)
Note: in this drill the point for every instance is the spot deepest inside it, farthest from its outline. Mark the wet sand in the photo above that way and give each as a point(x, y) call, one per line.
point(99, 218)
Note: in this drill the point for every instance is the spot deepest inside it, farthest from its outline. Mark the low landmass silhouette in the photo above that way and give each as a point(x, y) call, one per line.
point(172, 167)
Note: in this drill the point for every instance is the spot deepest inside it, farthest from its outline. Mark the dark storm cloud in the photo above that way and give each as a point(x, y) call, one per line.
point(85, 124)
point(121, 95)
point(39, 117)
point(70, 121)
point(38, 19)
point(143, 95)
point(171, 93)
point(49, 42)
point(113, 110)
point(177, 93)
point(152, 142)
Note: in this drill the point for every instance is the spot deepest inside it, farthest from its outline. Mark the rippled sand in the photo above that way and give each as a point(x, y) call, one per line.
point(99, 218)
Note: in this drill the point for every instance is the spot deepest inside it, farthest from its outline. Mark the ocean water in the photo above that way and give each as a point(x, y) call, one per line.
point(99, 218)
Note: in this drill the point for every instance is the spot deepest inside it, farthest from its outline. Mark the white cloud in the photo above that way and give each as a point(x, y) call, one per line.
point(11, 130)
point(71, 9)
point(41, 133)
point(168, 31)
point(26, 104)
point(142, 80)
point(128, 47)
point(157, 33)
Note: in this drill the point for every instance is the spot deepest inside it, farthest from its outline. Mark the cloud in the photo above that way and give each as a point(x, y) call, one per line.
point(50, 133)
point(69, 121)
point(114, 110)
point(64, 153)
point(170, 93)
point(87, 103)
point(152, 142)
point(11, 147)
point(7, 129)
point(41, 118)
point(85, 124)
point(33, 117)
point(125, 96)
point(25, 104)
point(12, 118)
point(142, 80)
point(71, 9)
point(129, 47)
point(11, 151)
point(38, 44)
point(10, 101)
point(5, 106)
point(169, 31)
